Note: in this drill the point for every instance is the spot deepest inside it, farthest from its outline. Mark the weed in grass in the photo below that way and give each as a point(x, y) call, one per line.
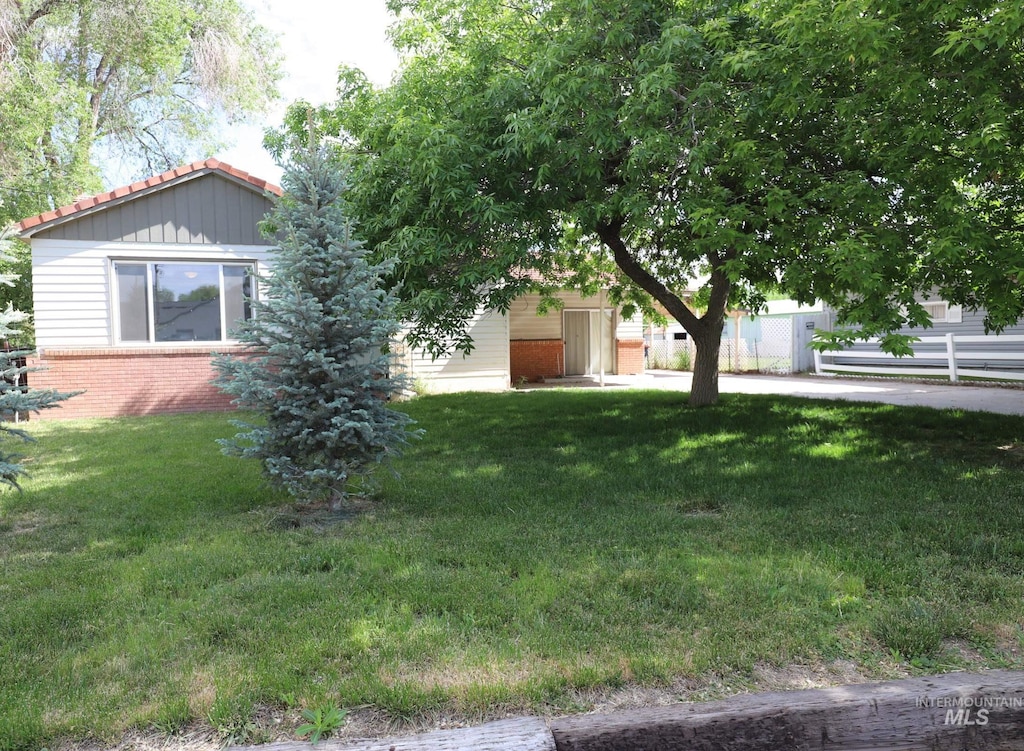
point(910, 629)
point(172, 716)
point(320, 722)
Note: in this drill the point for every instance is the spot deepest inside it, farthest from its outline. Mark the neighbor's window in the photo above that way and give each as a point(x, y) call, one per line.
point(938, 311)
point(180, 301)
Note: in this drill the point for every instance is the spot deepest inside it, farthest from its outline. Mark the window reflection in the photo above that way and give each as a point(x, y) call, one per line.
point(186, 301)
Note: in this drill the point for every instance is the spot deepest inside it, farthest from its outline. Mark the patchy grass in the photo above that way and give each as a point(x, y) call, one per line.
point(538, 548)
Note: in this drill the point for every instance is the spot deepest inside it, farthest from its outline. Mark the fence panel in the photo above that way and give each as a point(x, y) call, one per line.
point(764, 345)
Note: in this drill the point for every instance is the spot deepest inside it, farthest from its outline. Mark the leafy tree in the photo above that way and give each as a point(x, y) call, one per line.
point(140, 81)
point(317, 370)
point(16, 398)
point(858, 153)
point(201, 293)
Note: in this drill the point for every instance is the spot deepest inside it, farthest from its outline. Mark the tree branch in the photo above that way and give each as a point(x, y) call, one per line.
point(611, 235)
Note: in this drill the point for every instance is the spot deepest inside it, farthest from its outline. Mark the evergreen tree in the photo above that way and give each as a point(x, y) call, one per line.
point(16, 398)
point(317, 365)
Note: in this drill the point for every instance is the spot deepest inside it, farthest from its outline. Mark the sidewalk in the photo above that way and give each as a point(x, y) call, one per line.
point(1005, 400)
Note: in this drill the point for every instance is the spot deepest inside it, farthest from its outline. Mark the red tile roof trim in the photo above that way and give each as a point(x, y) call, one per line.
point(150, 182)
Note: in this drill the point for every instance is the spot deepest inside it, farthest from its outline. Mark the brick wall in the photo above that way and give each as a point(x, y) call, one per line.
point(120, 382)
point(535, 359)
point(630, 356)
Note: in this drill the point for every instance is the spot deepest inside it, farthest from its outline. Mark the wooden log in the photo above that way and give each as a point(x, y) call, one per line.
point(519, 734)
point(952, 712)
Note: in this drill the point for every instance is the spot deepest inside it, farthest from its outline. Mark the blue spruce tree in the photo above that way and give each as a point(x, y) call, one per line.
point(17, 399)
point(316, 367)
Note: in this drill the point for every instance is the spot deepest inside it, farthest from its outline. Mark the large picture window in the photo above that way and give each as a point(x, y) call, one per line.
point(178, 301)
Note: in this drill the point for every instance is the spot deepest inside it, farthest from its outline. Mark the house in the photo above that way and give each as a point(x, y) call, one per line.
point(956, 344)
point(586, 336)
point(136, 288)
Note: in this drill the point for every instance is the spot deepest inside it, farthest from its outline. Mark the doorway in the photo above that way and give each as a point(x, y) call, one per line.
point(586, 350)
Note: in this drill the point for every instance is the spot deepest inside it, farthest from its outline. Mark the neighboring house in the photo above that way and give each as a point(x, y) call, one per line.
point(134, 289)
point(974, 349)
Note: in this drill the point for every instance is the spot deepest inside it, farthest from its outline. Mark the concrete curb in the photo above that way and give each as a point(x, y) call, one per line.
point(952, 712)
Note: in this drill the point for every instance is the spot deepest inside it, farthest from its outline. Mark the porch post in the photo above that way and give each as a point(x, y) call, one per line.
point(600, 340)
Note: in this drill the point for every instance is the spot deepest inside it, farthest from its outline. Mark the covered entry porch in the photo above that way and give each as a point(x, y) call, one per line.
point(586, 336)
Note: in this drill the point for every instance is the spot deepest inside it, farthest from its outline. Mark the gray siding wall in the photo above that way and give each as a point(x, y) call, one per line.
point(973, 324)
point(206, 210)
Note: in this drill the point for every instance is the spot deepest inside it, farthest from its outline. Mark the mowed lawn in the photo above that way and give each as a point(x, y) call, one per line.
point(537, 548)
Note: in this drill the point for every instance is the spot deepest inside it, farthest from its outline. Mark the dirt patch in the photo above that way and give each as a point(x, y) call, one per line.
point(270, 724)
point(316, 516)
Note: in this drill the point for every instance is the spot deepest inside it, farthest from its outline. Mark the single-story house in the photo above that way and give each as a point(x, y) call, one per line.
point(954, 331)
point(134, 289)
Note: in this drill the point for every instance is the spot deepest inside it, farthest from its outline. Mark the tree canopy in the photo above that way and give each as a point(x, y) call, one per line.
point(144, 79)
point(857, 152)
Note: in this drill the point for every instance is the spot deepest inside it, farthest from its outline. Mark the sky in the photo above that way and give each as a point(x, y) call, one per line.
point(315, 37)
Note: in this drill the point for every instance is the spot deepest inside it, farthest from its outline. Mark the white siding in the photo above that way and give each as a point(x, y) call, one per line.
point(71, 284)
point(486, 368)
point(525, 323)
point(630, 328)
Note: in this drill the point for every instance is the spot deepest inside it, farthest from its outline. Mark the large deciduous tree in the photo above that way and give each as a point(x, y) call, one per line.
point(857, 152)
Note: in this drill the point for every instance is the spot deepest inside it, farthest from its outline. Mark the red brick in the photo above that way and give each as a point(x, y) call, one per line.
point(536, 359)
point(629, 355)
point(129, 382)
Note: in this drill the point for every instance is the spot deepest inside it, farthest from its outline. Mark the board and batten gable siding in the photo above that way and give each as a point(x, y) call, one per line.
point(71, 284)
point(526, 323)
point(486, 368)
point(206, 210)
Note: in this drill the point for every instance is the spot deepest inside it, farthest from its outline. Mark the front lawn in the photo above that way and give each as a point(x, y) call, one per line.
point(539, 550)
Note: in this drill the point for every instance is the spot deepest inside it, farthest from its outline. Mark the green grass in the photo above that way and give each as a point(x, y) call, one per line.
point(536, 545)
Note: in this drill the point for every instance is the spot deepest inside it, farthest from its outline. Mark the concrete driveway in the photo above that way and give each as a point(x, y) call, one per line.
point(1006, 400)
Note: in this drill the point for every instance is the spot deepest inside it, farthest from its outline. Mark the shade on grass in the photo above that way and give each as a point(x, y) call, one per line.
point(534, 544)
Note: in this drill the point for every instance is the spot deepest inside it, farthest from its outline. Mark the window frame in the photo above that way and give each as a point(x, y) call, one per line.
point(952, 314)
point(251, 265)
point(928, 305)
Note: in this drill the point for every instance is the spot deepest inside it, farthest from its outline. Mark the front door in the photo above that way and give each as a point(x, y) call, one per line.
point(576, 325)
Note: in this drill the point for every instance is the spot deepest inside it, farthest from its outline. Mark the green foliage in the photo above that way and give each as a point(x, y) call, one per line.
point(318, 369)
point(199, 294)
point(856, 154)
point(320, 722)
point(682, 360)
point(16, 398)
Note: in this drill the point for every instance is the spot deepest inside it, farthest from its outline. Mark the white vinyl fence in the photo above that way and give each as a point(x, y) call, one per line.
point(996, 357)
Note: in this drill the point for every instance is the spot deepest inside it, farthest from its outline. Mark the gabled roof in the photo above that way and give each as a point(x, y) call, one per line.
point(34, 224)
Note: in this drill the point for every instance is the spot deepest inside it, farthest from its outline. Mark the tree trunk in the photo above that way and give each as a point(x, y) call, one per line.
point(704, 389)
point(705, 330)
